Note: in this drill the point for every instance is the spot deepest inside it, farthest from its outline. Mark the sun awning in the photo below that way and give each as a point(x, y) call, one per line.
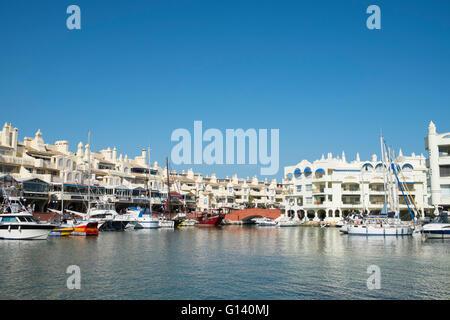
point(320, 170)
point(307, 170)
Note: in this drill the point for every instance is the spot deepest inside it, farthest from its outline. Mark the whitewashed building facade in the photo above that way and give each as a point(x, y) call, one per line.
point(330, 188)
point(438, 163)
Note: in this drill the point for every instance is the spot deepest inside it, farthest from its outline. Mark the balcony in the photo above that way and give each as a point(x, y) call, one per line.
point(16, 160)
point(444, 160)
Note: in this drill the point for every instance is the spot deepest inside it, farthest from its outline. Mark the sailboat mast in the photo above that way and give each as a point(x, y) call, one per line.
point(395, 185)
point(62, 186)
point(168, 188)
point(386, 195)
point(89, 172)
point(149, 185)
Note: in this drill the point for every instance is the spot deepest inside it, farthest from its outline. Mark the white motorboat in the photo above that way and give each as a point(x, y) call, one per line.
point(264, 222)
point(291, 223)
point(106, 216)
point(438, 229)
point(284, 221)
point(17, 223)
point(144, 219)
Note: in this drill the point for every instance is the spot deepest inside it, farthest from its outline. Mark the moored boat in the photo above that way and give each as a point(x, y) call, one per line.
point(264, 222)
point(438, 229)
point(210, 219)
point(17, 223)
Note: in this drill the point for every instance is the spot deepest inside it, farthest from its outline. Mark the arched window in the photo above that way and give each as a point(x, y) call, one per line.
point(297, 173)
point(367, 167)
point(69, 176)
point(379, 167)
point(307, 172)
point(60, 163)
point(68, 163)
point(407, 167)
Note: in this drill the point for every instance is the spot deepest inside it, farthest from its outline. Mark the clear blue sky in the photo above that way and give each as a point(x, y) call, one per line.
point(137, 70)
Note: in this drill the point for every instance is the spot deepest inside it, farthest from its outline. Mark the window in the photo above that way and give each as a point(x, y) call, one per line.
point(299, 188)
point(444, 171)
point(379, 168)
point(308, 200)
point(9, 219)
point(407, 168)
point(445, 190)
point(35, 187)
point(308, 187)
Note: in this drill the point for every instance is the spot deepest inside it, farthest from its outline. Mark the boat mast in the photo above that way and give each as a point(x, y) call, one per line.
point(383, 161)
point(149, 187)
point(395, 193)
point(62, 187)
point(168, 188)
point(362, 192)
point(89, 173)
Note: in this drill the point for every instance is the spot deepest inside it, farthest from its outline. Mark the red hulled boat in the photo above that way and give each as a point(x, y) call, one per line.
point(210, 219)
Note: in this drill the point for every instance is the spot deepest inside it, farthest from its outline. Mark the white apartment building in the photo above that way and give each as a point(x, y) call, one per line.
point(438, 163)
point(43, 167)
point(234, 192)
point(330, 188)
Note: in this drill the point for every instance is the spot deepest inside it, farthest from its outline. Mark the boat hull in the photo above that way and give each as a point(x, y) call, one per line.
point(437, 234)
point(379, 231)
point(23, 232)
point(146, 224)
point(212, 221)
point(89, 229)
point(437, 230)
point(113, 225)
point(285, 224)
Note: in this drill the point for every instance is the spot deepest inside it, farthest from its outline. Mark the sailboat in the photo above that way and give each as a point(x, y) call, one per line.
point(386, 223)
point(103, 212)
point(144, 219)
point(170, 222)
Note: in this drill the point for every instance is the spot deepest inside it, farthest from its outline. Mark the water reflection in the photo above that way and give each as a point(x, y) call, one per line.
point(232, 262)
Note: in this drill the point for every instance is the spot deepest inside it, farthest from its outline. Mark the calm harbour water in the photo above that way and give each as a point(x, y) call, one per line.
point(233, 262)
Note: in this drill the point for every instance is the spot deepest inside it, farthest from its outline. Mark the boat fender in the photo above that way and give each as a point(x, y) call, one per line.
point(20, 228)
point(9, 228)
